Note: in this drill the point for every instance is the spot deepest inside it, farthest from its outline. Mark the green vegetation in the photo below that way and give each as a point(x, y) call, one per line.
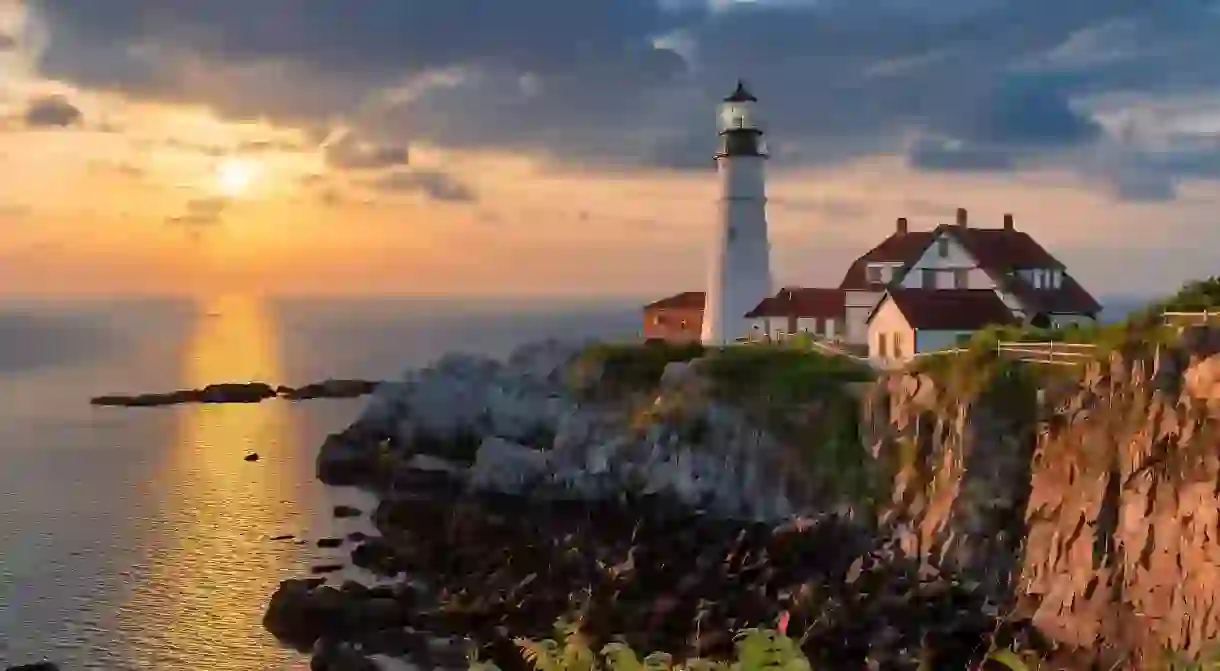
point(755, 649)
point(1194, 296)
point(627, 367)
point(780, 373)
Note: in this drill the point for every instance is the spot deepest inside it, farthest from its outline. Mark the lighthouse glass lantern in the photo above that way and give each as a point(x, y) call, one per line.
point(739, 127)
point(738, 112)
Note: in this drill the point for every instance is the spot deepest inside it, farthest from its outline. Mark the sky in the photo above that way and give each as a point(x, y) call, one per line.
point(548, 147)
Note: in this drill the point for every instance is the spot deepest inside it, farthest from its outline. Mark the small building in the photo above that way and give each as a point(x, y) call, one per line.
point(677, 319)
point(907, 322)
point(795, 310)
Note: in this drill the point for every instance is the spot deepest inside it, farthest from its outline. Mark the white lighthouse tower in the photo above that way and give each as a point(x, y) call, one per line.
point(741, 259)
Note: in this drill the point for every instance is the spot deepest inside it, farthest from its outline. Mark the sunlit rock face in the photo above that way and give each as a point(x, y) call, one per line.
point(1093, 503)
point(526, 425)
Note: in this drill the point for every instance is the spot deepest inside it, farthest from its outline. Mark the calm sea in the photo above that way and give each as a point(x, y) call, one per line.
point(138, 539)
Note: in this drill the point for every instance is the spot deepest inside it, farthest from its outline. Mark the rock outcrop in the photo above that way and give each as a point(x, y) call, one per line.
point(522, 427)
point(1091, 502)
point(241, 392)
point(1084, 503)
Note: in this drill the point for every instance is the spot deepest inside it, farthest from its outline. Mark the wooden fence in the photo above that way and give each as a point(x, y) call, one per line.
point(1184, 319)
point(1056, 353)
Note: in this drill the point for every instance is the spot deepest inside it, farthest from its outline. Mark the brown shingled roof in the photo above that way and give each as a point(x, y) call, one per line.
point(948, 309)
point(802, 302)
point(1003, 249)
point(1069, 299)
point(684, 300)
point(898, 248)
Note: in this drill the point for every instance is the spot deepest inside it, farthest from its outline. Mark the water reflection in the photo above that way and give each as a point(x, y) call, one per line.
point(209, 564)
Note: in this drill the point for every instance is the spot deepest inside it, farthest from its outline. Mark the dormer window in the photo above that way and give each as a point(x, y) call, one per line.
point(873, 273)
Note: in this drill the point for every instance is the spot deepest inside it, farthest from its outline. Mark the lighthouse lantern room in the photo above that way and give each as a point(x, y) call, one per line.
point(740, 269)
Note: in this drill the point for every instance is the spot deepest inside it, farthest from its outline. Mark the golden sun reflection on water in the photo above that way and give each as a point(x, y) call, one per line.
point(210, 567)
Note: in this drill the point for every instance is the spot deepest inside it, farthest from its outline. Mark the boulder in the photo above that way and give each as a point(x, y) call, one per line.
point(504, 466)
point(1202, 380)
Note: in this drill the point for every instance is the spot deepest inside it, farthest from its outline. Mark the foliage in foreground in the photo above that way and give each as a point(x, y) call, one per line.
point(755, 649)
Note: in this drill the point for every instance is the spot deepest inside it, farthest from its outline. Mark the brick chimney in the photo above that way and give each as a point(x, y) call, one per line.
point(1008, 225)
point(961, 217)
point(901, 228)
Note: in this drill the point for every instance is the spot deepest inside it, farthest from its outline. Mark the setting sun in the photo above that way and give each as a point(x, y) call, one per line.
point(234, 176)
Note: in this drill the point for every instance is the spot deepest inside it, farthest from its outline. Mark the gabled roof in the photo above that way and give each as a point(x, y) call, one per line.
point(684, 300)
point(1069, 299)
point(947, 309)
point(898, 248)
point(1002, 248)
point(802, 302)
point(995, 249)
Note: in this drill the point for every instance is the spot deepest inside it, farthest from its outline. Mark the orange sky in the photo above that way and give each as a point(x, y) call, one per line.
point(162, 198)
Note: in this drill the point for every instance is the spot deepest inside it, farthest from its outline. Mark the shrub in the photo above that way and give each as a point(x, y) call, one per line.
point(632, 366)
point(780, 373)
point(756, 650)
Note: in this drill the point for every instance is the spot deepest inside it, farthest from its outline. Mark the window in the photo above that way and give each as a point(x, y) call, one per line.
point(897, 345)
point(929, 278)
point(881, 350)
point(942, 247)
point(682, 325)
point(960, 278)
point(874, 274)
point(658, 319)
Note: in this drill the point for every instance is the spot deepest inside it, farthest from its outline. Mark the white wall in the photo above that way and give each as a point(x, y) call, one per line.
point(956, 258)
point(740, 269)
point(889, 321)
point(858, 305)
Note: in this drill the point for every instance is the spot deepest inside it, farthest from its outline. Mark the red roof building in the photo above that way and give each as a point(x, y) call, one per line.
point(951, 279)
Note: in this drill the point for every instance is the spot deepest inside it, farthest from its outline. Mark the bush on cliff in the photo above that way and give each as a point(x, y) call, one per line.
point(780, 373)
point(628, 367)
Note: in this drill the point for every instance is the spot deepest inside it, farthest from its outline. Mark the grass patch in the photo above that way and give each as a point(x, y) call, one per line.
point(780, 373)
point(628, 367)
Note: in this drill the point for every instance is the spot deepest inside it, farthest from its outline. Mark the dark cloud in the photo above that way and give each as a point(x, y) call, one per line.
point(264, 145)
point(947, 155)
point(434, 184)
point(350, 153)
point(987, 84)
point(51, 111)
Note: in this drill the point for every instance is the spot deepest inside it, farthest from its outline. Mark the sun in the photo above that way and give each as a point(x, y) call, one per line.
point(235, 176)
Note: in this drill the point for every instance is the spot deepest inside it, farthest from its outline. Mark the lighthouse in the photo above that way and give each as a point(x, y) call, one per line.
point(740, 269)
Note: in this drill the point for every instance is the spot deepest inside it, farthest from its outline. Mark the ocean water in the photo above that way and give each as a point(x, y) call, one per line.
point(138, 539)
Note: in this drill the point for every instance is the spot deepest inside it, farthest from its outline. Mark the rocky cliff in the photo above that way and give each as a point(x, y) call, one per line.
point(1090, 500)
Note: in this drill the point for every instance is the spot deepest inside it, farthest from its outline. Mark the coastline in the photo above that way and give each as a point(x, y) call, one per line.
point(482, 539)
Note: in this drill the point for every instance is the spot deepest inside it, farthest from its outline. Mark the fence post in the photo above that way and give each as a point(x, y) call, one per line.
point(1050, 352)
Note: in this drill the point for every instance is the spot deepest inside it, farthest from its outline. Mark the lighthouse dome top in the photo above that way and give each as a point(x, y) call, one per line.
point(740, 94)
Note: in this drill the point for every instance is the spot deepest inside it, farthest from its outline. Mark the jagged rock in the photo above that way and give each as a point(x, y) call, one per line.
point(1203, 379)
point(329, 389)
point(504, 466)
